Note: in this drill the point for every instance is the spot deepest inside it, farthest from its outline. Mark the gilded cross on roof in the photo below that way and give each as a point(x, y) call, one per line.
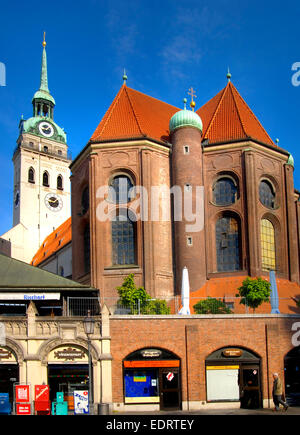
point(193, 95)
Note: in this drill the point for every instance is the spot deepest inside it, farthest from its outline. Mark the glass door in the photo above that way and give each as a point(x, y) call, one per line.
point(169, 380)
point(250, 387)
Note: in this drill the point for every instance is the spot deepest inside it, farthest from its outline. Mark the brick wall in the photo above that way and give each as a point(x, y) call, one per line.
point(192, 339)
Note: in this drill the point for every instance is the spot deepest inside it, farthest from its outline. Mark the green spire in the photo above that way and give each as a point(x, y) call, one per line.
point(44, 73)
point(43, 93)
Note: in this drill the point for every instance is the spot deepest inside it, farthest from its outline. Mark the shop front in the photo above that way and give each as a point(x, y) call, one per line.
point(292, 376)
point(9, 371)
point(68, 371)
point(152, 376)
point(234, 375)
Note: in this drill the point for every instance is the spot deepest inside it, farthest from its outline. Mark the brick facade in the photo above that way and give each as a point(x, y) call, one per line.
point(193, 339)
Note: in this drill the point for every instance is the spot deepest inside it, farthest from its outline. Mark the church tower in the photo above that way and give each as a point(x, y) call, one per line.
point(41, 200)
point(187, 175)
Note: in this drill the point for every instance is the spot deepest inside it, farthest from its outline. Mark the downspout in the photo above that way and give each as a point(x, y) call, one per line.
point(267, 361)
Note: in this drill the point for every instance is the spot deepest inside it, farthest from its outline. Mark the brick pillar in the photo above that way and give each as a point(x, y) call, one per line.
point(292, 224)
point(252, 217)
point(187, 173)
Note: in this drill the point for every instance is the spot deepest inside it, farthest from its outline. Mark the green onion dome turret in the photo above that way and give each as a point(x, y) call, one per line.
point(185, 118)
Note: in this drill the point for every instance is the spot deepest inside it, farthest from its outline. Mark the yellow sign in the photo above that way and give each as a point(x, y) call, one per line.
point(222, 367)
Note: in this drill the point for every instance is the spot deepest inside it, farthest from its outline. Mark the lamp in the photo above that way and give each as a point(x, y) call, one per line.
point(89, 326)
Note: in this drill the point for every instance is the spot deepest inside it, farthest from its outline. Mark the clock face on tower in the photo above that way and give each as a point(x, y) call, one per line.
point(53, 202)
point(46, 129)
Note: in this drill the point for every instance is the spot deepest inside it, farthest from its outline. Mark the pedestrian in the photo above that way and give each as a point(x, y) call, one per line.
point(277, 393)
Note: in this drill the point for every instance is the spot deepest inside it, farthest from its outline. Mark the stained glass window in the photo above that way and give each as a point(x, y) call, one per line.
point(267, 237)
point(266, 194)
point(123, 239)
point(227, 244)
point(120, 189)
point(224, 192)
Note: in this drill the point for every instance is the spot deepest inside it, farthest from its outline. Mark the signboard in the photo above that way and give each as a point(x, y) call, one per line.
point(22, 393)
point(6, 355)
point(41, 393)
point(23, 409)
point(69, 354)
point(81, 402)
point(232, 353)
point(151, 353)
point(29, 296)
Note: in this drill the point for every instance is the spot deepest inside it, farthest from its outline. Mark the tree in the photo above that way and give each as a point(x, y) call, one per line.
point(131, 296)
point(211, 306)
point(254, 292)
point(158, 306)
point(138, 300)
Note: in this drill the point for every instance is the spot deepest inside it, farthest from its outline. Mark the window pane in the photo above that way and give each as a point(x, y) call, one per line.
point(266, 194)
point(225, 192)
point(267, 236)
point(227, 244)
point(120, 187)
point(123, 240)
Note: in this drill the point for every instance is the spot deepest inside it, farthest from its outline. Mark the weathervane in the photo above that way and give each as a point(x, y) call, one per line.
point(193, 95)
point(44, 41)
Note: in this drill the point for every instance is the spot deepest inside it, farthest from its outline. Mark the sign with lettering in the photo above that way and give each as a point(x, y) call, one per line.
point(22, 393)
point(69, 354)
point(5, 354)
point(232, 353)
point(23, 409)
point(151, 353)
point(81, 402)
point(19, 296)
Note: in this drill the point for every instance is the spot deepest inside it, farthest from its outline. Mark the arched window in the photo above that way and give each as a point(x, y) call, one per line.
point(228, 244)
point(46, 179)
point(267, 239)
point(60, 182)
point(87, 249)
point(224, 191)
point(119, 191)
point(267, 194)
point(31, 177)
point(85, 200)
point(123, 238)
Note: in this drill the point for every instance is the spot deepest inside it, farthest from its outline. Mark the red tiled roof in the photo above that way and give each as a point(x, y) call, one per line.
point(133, 114)
point(227, 117)
point(54, 242)
point(220, 288)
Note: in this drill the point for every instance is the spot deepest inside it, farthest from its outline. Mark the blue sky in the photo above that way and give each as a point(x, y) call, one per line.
point(166, 46)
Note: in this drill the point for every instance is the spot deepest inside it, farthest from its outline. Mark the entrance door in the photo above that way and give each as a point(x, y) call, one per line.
point(9, 374)
point(169, 381)
point(250, 387)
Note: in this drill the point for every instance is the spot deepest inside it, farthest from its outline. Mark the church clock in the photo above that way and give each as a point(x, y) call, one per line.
point(53, 202)
point(46, 129)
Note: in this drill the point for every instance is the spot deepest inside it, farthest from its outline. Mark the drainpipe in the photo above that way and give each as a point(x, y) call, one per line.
point(267, 361)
